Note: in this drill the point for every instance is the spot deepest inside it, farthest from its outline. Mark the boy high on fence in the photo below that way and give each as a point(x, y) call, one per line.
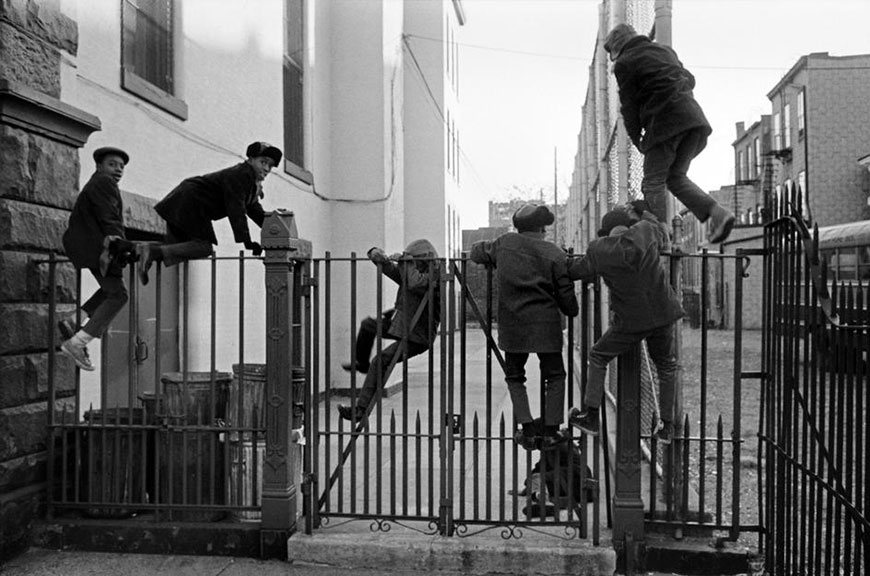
point(645, 307)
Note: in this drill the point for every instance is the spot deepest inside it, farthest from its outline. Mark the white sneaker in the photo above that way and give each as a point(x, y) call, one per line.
point(79, 354)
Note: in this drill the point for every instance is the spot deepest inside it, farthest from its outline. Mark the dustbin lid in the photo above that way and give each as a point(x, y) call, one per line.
point(255, 369)
point(194, 377)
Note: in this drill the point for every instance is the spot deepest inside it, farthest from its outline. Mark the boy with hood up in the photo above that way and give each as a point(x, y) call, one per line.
point(408, 322)
point(645, 307)
point(665, 123)
point(534, 290)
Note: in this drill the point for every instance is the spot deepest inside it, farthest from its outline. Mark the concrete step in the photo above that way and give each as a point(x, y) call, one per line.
point(485, 553)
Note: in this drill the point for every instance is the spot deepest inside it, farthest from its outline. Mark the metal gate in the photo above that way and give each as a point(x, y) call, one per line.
point(815, 435)
point(435, 451)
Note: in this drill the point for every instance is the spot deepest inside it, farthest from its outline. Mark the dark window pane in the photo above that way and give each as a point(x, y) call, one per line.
point(294, 48)
point(147, 40)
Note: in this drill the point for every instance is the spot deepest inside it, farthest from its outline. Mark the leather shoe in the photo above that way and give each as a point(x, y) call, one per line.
point(722, 222)
point(360, 367)
point(354, 414)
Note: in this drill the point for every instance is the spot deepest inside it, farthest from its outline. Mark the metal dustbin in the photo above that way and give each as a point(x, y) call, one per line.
point(246, 416)
point(192, 445)
point(246, 412)
point(115, 462)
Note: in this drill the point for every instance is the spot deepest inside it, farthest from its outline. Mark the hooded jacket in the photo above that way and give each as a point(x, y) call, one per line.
point(656, 94)
point(414, 272)
point(640, 294)
point(533, 290)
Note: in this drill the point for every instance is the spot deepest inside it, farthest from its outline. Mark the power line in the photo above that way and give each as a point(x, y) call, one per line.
point(589, 60)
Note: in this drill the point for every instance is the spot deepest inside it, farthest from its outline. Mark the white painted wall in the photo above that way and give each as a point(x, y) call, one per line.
point(229, 73)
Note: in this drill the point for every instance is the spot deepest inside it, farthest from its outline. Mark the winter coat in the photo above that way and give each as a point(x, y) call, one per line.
point(655, 93)
point(412, 273)
point(197, 201)
point(534, 290)
point(640, 294)
point(97, 213)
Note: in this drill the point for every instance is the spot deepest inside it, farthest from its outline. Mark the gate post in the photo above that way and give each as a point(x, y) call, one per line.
point(283, 250)
point(628, 527)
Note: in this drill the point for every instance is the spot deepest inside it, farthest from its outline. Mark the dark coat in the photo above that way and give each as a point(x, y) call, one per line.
point(655, 93)
point(640, 294)
point(534, 290)
point(413, 278)
point(197, 201)
point(98, 212)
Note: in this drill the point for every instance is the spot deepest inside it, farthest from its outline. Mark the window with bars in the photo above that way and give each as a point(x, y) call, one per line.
point(147, 53)
point(294, 83)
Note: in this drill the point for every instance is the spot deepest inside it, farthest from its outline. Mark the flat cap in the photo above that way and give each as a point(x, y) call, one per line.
point(101, 153)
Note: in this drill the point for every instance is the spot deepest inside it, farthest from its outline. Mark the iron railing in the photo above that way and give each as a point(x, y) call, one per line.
point(814, 434)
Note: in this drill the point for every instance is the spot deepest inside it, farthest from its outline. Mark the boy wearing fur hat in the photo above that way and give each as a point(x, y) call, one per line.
point(645, 307)
point(534, 292)
point(412, 322)
point(191, 207)
point(665, 123)
point(94, 239)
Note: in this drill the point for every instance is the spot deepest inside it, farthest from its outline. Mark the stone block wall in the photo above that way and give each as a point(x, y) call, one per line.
point(39, 175)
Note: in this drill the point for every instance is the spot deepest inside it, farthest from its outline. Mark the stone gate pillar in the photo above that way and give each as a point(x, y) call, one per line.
point(628, 509)
point(284, 252)
point(40, 137)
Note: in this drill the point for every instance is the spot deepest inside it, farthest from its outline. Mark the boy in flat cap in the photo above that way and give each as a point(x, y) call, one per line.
point(411, 271)
point(94, 239)
point(534, 290)
point(645, 307)
point(190, 208)
point(665, 123)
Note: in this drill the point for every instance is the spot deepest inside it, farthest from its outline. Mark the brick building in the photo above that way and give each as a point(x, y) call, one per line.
point(819, 113)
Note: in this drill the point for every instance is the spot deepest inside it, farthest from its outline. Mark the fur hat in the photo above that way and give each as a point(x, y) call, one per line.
point(257, 149)
point(532, 217)
point(617, 39)
point(101, 153)
point(616, 217)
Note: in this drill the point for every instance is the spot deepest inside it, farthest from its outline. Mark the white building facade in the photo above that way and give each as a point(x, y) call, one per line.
point(365, 111)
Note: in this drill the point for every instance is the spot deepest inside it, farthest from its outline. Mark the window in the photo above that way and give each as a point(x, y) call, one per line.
point(741, 166)
point(294, 52)
point(786, 128)
point(802, 186)
point(777, 131)
point(147, 53)
point(750, 162)
point(801, 112)
point(757, 156)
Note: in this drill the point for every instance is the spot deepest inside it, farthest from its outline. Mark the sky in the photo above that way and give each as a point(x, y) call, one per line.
point(525, 65)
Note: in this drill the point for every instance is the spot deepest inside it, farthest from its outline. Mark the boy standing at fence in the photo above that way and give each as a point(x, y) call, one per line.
point(645, 307)
point(534, 292)
point(191, 207)
point(408, 322)
point(94, 239)
point(665, 123)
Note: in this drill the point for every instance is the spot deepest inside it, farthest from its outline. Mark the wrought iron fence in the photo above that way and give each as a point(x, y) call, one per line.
point(814, 433)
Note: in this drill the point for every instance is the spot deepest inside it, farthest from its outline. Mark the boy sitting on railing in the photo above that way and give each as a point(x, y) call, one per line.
point(645, 307)
point(94, 239)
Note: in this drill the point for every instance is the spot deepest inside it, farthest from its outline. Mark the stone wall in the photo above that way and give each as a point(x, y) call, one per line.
point(39, 175)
